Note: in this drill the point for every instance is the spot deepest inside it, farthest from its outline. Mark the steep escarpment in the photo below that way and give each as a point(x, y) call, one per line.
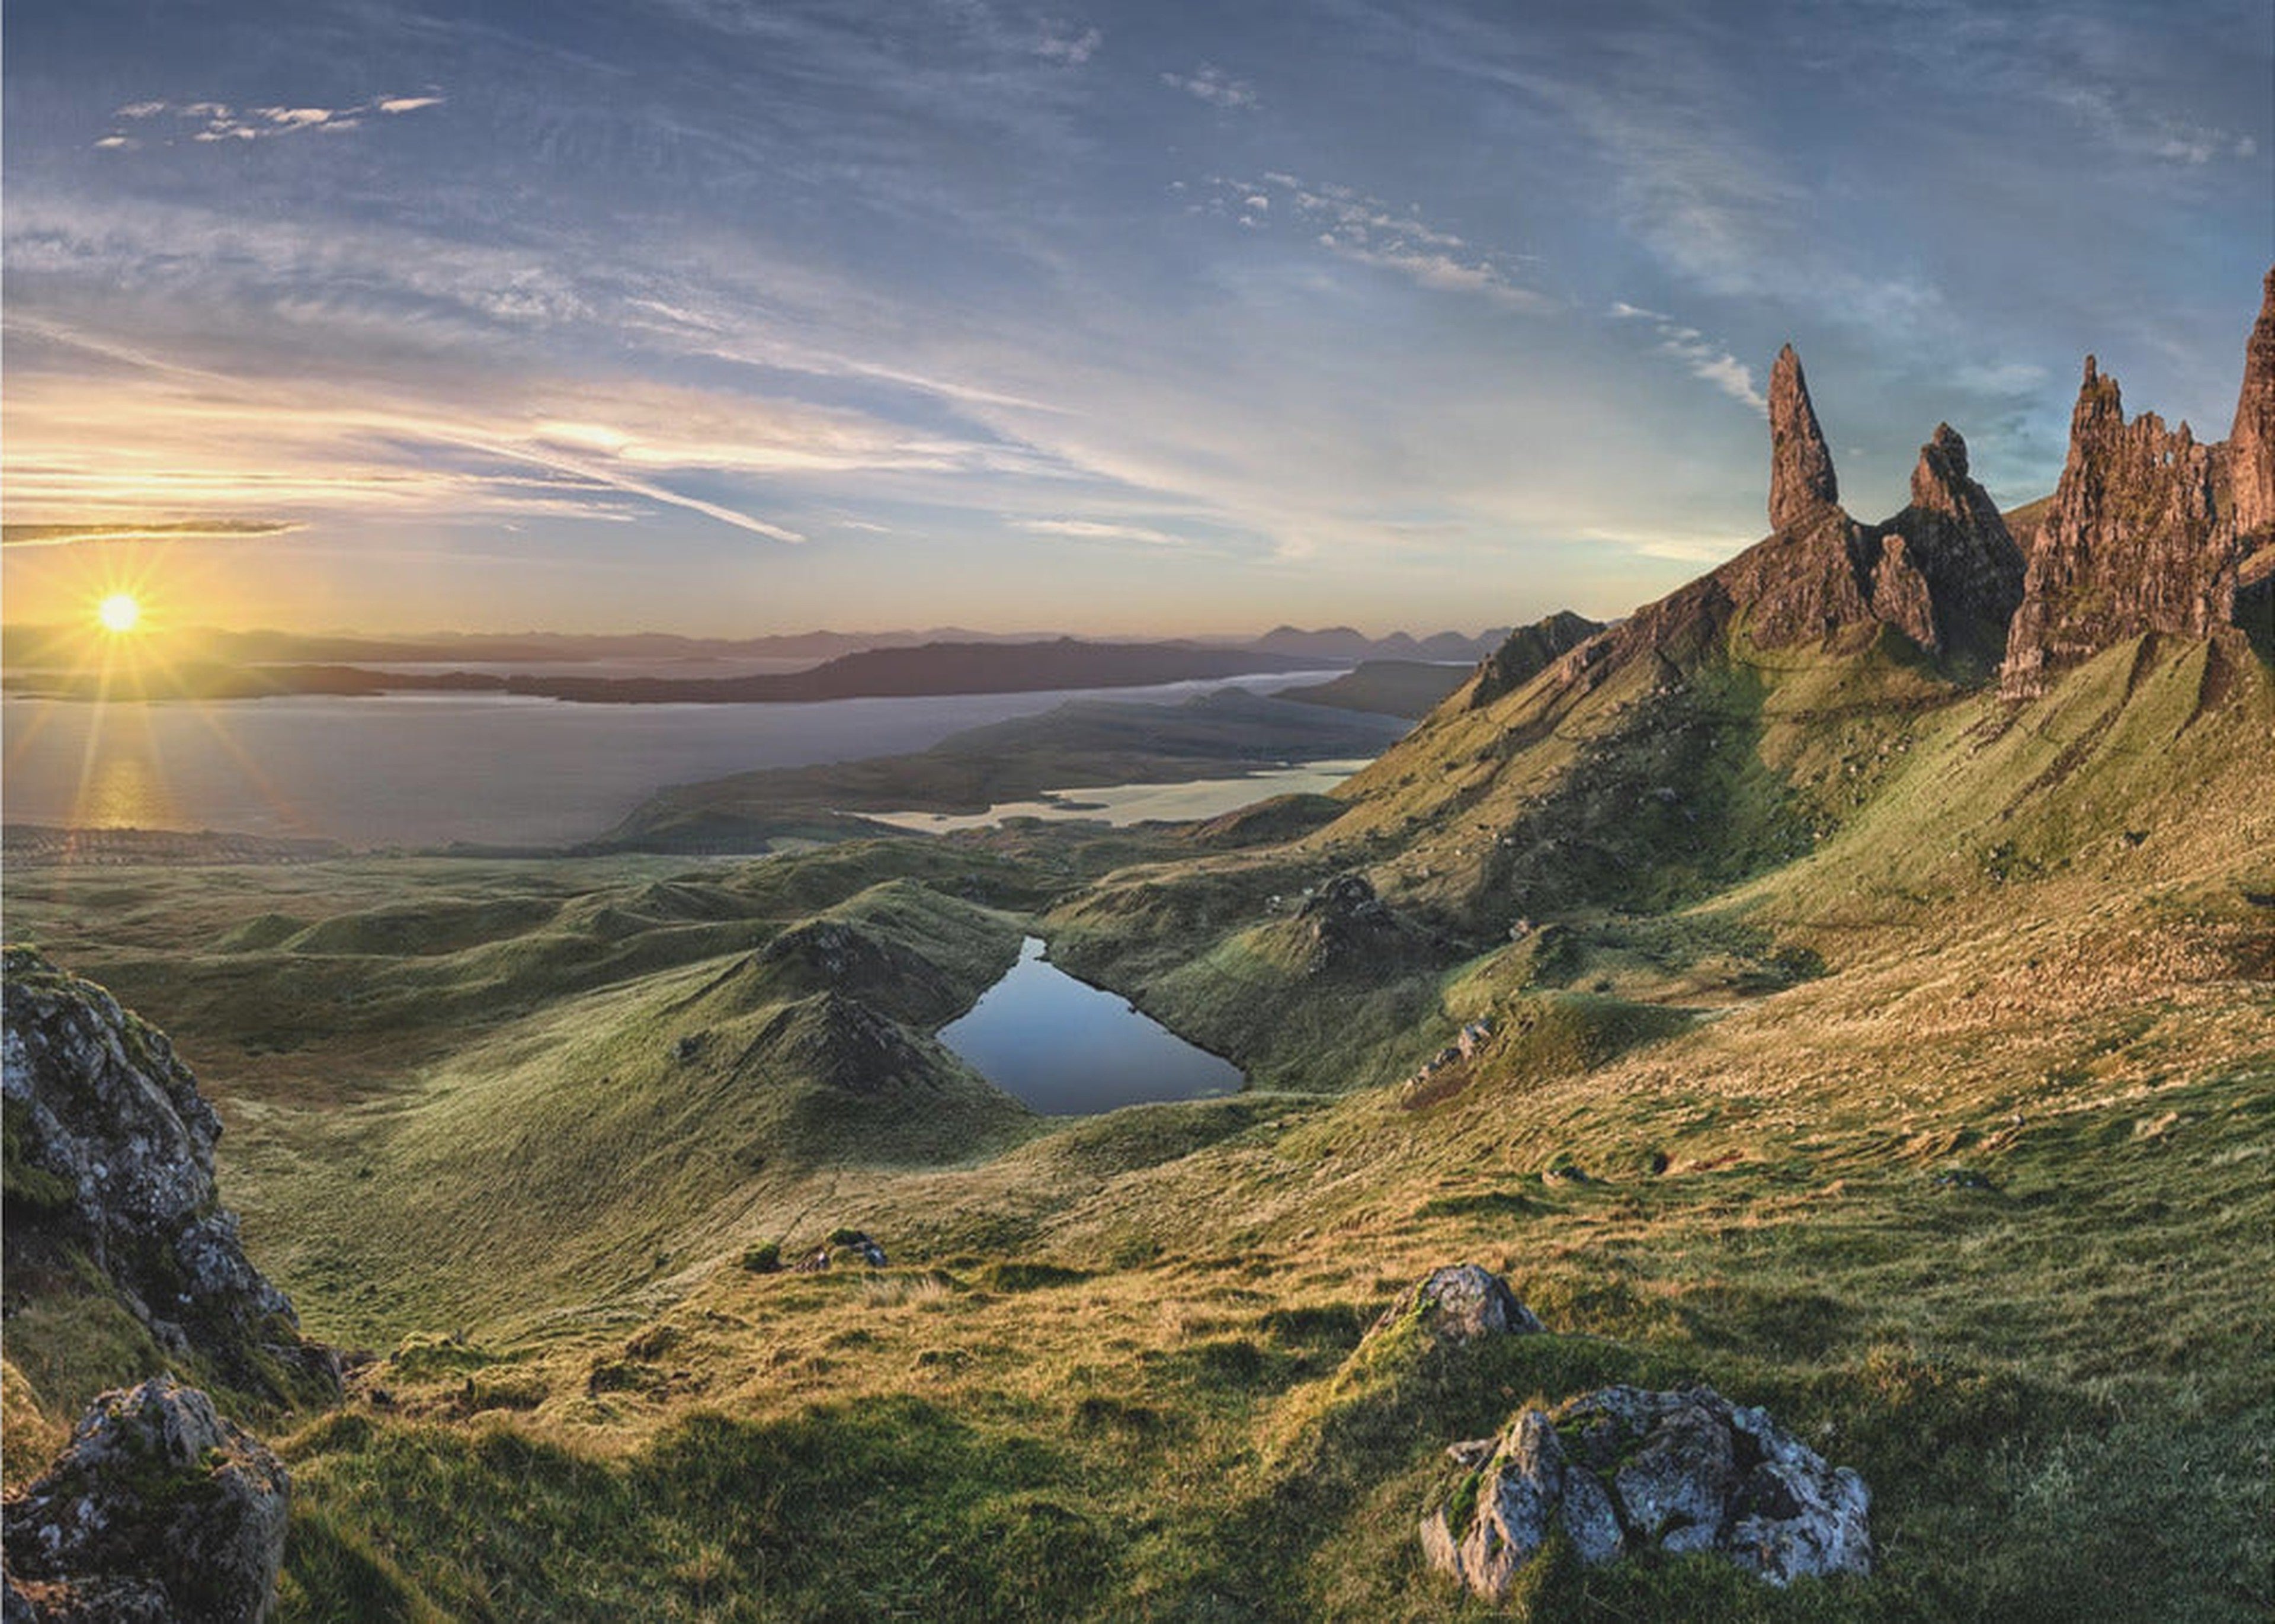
point(2150, 530)
point(115, 1229)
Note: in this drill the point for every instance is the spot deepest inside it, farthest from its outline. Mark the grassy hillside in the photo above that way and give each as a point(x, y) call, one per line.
point(1919, 1084)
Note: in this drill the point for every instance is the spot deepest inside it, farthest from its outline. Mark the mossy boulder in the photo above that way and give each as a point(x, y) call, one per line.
point(158, 1509)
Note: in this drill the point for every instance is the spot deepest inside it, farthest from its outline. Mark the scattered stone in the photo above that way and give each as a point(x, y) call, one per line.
point(1460, 1304)
point(159, 1508)
point(1623, 1469)
point(817, 1263)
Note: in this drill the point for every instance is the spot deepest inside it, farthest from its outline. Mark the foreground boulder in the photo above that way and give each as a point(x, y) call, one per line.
point(1622, 1470)
point(110, 1186)
point(158, 1509)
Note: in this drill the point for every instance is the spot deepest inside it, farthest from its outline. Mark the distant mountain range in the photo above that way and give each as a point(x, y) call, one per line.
point(53, 646)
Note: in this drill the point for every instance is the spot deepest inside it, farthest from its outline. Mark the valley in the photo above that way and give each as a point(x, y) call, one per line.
point(1847, 982)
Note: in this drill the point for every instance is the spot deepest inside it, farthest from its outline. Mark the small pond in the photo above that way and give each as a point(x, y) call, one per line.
point(1069, 1049)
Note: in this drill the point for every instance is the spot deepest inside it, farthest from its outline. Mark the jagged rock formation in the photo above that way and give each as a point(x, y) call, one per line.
point(1944, 572)
point(109, 1176)
point(1460, 1304)
point(1803, 485)
point(1529, 651)
point(2251, 441)
point(2148, 531)
point(1622, 1470)
point(158, 1509)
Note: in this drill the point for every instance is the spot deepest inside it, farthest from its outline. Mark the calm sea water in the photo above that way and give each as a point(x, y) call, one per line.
point(1069, 1049)
point(427, 769)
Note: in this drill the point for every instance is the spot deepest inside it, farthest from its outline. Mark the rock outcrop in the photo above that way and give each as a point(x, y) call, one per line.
point(2251, 441)
point(1804, 487)
point(2148, 530)
point(158, 1509)
point(844, 1043)
point(1344, 927)
point(1460, 1304)
point(2135, 542)
point(1622, 1470)
point(1527, 652)
point(1944, 572)
point(109, 1176)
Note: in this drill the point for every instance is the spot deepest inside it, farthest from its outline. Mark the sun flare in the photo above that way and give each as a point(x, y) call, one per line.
point(119, 612)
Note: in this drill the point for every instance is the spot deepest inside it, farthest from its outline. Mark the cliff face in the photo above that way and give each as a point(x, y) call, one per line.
point(2251, 441)
point(109, 1179)
point(2149, 531)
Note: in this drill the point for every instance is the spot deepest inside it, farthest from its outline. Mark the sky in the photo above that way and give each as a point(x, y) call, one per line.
point(727, 317)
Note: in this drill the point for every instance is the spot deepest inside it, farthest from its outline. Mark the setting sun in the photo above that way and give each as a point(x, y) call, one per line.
point(119, 612)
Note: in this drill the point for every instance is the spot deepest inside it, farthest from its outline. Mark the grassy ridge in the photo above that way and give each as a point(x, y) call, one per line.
point(1920, 1087)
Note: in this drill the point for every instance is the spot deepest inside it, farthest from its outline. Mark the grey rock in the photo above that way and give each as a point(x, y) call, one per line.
point(110, 1126)
point(157, 1508)
point(1460, 1304)
point(1624, 1469)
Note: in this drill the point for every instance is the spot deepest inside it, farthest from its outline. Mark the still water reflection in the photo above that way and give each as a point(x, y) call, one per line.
point(1069, 1049)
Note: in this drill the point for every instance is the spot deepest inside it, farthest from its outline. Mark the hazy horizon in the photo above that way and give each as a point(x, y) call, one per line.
point(721, 318)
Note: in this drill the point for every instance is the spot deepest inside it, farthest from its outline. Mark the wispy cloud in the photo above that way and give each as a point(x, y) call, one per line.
point(1700, 357)
point(1213, 85)
point(217, 121)
point(1102, 530)
point(160, 530)
point(1367, 231)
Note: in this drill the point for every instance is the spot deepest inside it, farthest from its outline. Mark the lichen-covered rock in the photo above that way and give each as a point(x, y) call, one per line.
point(110, 1160)
point(158, 1509)
point(1460, 1304)
point(1623, 1469)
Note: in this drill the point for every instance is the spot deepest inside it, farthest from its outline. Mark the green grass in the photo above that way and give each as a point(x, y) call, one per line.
point(1927, 1096)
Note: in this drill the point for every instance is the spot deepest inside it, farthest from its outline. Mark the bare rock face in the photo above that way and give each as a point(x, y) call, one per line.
point(1954, 542)
point(1527, 652)
point(1622, 1470)
point(111, 1155)
point(1460, 1304)
point(2251, 441)
point(1802, 483)
point(1945, 571)
point(157, 1509)
point(2135, 542)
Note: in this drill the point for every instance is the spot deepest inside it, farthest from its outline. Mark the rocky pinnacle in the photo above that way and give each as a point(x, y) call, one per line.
point(1802, 483)
point(2251, 443)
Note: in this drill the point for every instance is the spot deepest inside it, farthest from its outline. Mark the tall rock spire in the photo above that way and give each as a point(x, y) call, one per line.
point(1802, 483)
point(2251, 443)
